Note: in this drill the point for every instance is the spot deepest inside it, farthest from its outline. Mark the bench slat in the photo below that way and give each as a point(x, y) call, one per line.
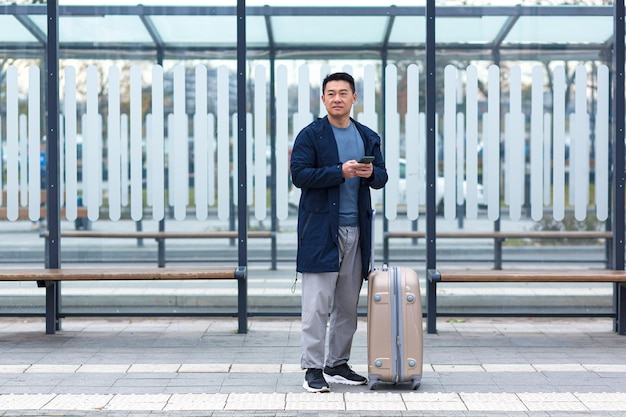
point(161, 235)
point(491, 275)
point(508, 235)
point(130, 273)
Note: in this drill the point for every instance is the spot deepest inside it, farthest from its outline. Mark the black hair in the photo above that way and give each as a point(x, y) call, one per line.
point(339, 76)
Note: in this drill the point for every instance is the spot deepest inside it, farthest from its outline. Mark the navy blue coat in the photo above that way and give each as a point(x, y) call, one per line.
point(316, 169)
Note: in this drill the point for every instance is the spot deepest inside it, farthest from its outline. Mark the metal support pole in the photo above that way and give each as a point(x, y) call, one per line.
point(53, 239)
point(274, 226)
point(618, 156)
point(620, 308)
point(52, 306)
point(139, 228)
point(497, 247)
point(431, 161)
point(242, 201)
point(382, 129)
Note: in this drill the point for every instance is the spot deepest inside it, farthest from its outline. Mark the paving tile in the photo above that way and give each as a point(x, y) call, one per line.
point(458, 368)
point(144, 402)
point(247, 401)
point(561, 406)
point(28, 389)
point(374, 401)
point(604, 406)
point(509, 367)
point(427, 368)
point(185, 402)
point(24, 401)
point(547, 396)
point(291, 368)
point(603, 368)
point(153, 367)
point(375, 406)
point(78, 402)
point(255, 368)
point(433, 401)
point(13, 369)
point(204, 368)
point(143, 381)
point(312, 401)
point(103, 368)
point(52, 368)
point(490, 401)
point(314, 397)
point(607, 397)
point(559, 367)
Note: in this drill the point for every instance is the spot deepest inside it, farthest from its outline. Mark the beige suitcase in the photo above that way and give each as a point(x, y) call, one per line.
point(394, 327)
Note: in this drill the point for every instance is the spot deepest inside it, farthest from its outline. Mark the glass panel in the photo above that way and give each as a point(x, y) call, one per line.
point(411, 29)
point(408, 30)
point(99, 29)
point(180, 3)
point(334, 3)
point(556, 29)
point(472, 30)
point(256, 31)
point(197, 30)
point(12, 31)
point(320, 30)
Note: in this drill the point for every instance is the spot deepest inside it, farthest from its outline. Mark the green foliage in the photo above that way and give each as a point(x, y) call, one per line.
point(569, 223)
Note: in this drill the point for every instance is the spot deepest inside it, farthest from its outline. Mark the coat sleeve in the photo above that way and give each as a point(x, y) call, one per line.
point(379, 176)
point(307, 170)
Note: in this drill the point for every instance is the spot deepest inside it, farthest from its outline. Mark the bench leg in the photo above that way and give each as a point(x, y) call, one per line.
point(161, 253)
point(52, 307)
point(620, 320)
point(242, 298)
point(58, 306)
point(431, 299)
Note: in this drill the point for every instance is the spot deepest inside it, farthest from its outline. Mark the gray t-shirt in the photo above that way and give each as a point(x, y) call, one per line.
point(350, 146)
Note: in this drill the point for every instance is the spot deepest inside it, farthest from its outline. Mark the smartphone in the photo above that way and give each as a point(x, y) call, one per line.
point(366, 160)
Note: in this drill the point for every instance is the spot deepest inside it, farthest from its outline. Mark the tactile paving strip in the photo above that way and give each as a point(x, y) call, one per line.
point(367, 401)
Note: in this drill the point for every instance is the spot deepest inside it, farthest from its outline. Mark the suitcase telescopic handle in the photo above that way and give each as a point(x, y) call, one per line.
point(372, 242)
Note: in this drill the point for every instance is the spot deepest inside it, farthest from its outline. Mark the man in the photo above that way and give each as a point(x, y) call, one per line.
point(334, 230)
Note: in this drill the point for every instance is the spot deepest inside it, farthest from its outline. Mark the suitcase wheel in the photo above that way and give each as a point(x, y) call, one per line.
point(373, 382)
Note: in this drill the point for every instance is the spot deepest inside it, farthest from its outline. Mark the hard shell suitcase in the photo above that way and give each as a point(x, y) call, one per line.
point(394, 327)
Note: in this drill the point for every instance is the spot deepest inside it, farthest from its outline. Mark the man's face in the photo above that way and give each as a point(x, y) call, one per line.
point(338, 98)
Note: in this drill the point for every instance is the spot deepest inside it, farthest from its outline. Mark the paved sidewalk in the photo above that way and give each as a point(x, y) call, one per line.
point(202, 367)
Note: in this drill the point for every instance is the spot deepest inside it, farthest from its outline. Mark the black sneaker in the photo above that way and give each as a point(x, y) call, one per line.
point(314, 381)
point(343, 374)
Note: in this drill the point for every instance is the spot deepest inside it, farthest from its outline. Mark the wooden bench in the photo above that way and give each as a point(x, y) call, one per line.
point(50, 279)
point(435, 276)
point(161, 236)
point(500, 236)
point(532, 234)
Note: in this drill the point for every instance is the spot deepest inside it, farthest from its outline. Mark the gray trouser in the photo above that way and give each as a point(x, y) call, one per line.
point(337, 292)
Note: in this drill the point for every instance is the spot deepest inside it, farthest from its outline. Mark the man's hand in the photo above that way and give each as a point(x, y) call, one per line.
point(352, 168)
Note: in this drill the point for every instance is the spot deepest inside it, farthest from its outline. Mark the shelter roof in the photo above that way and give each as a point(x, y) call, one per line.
point(307, 32)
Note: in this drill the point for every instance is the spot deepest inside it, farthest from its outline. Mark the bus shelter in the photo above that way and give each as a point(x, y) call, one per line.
point(137, 111)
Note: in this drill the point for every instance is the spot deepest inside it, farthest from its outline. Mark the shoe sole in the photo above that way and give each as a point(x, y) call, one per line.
point(306, 386)
point(341, 380)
